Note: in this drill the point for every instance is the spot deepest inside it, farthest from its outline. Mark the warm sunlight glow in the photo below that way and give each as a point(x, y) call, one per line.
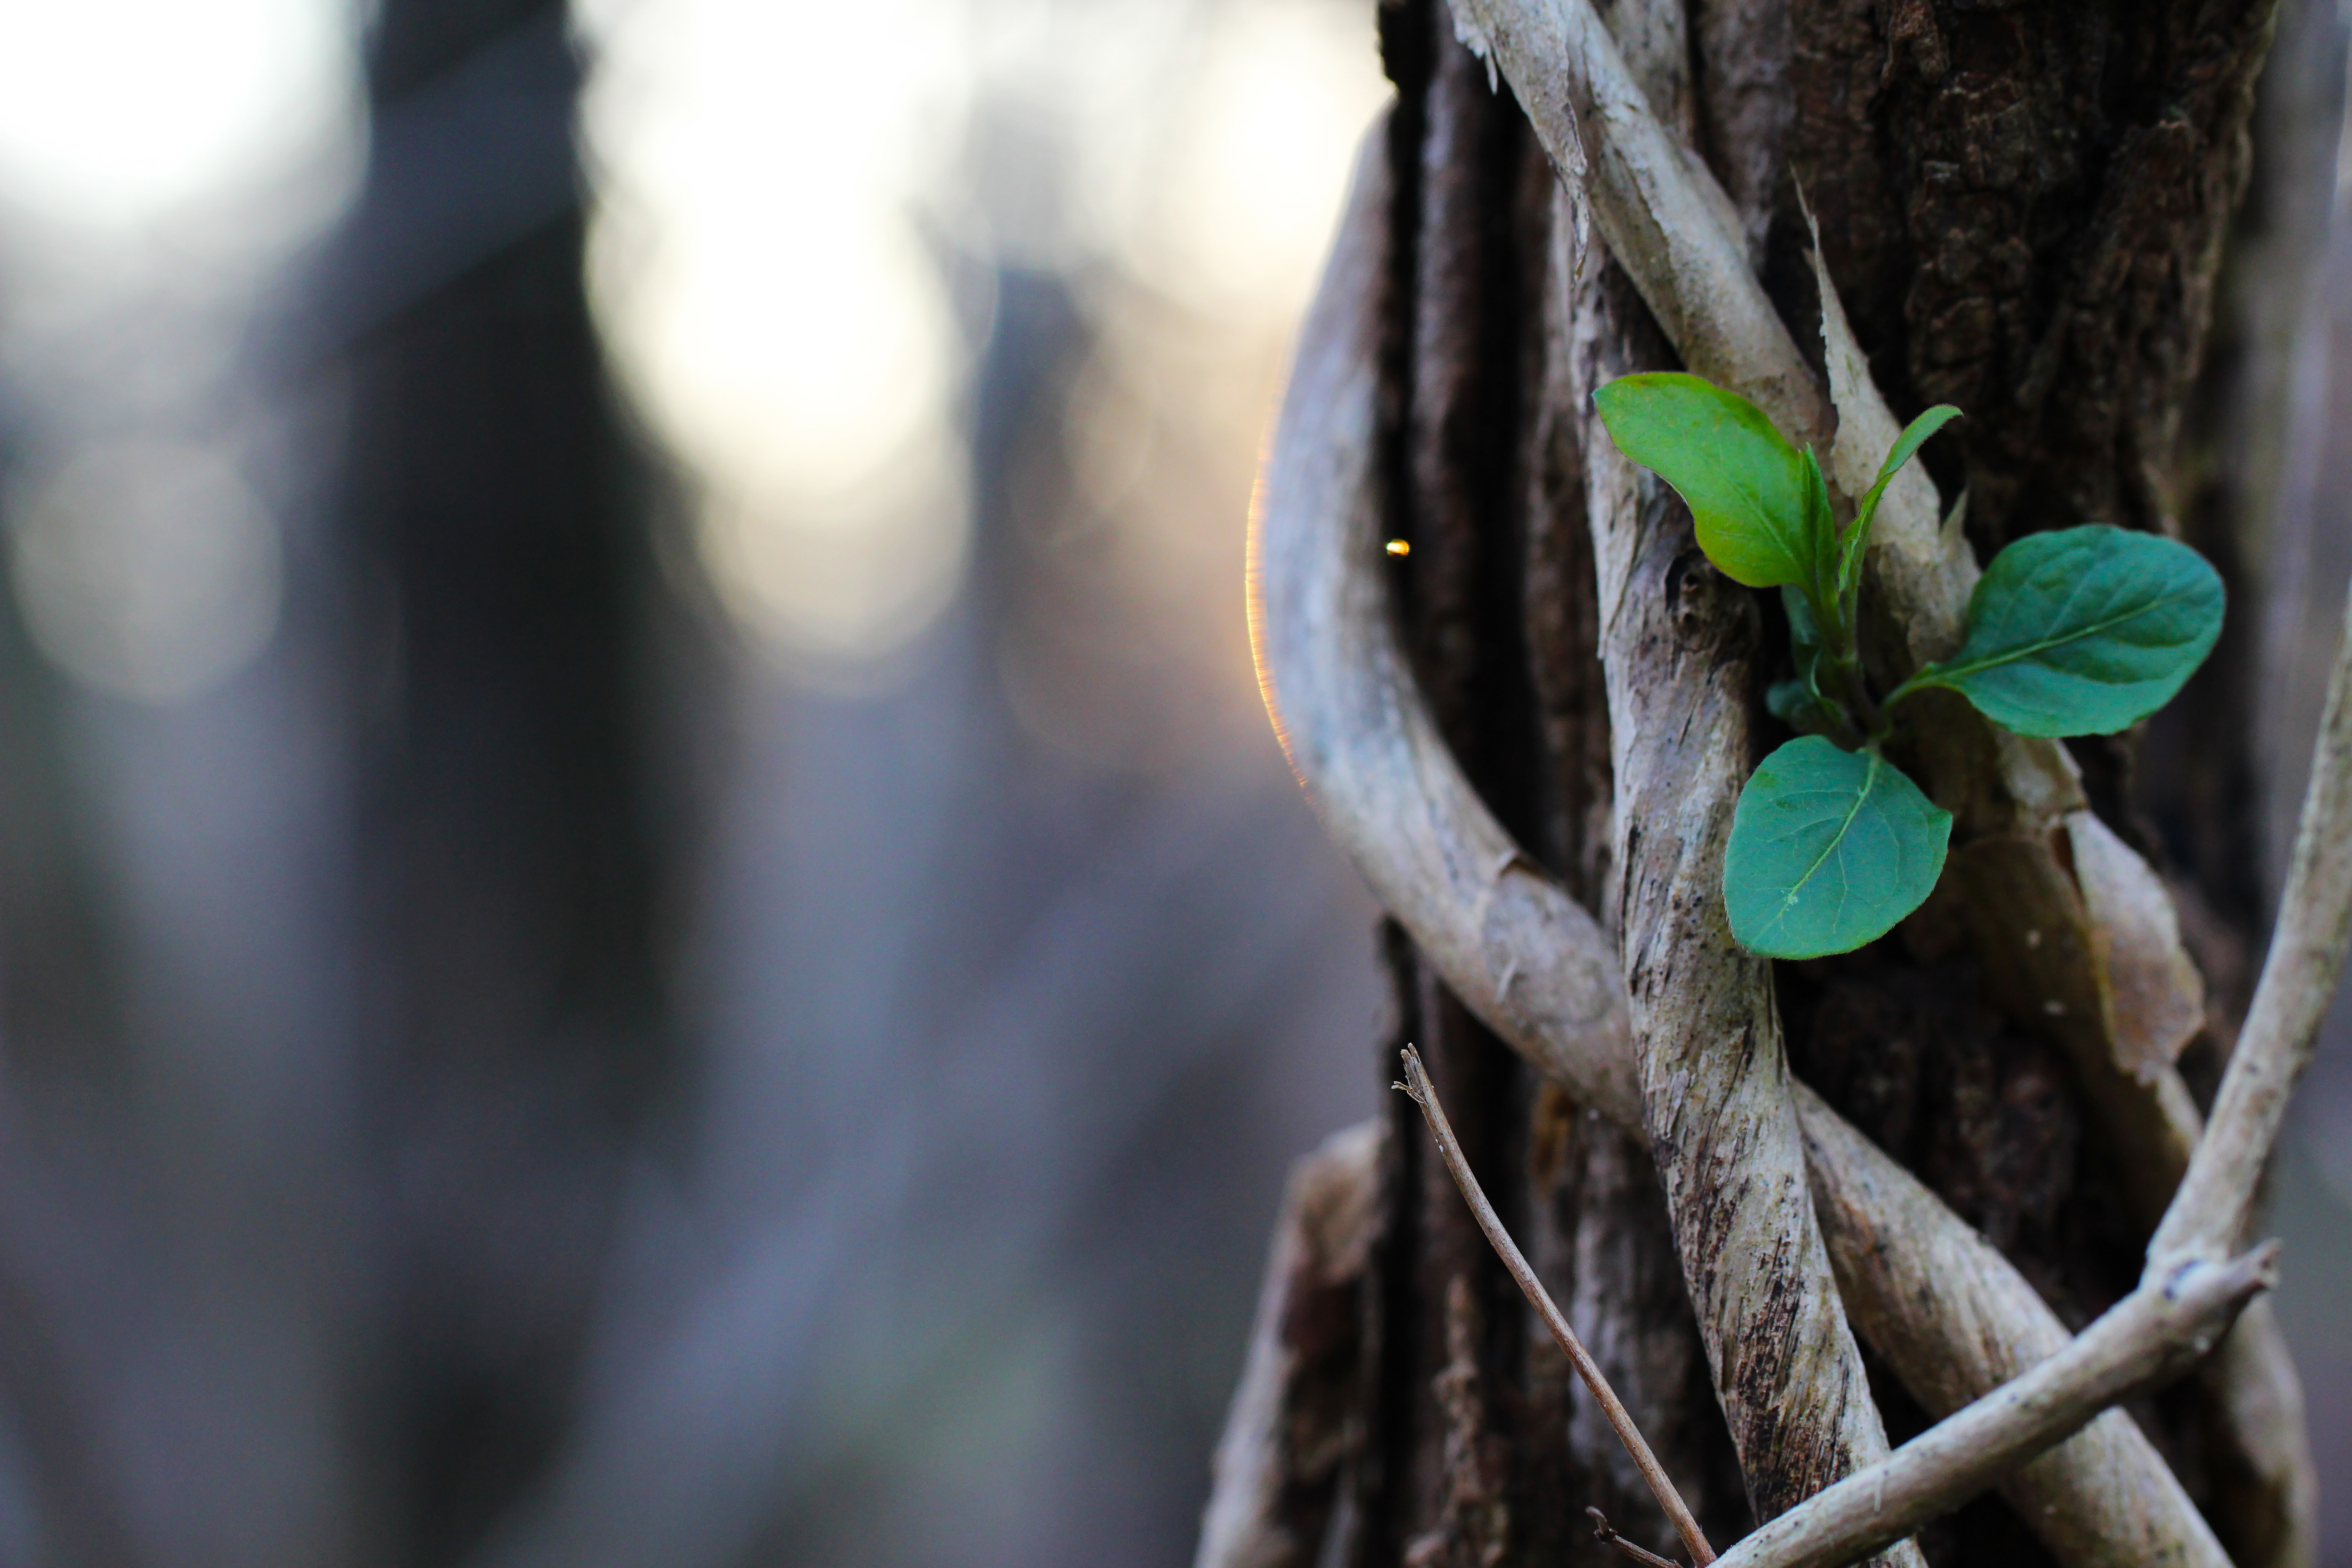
point(771, 298)
point(776, 227)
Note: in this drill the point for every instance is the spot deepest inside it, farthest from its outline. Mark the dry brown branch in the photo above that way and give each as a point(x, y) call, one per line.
point(1355, 727)
point(1360, 739)
point(2103, 1497)
point(2144, 1341)
point(1449, 1148)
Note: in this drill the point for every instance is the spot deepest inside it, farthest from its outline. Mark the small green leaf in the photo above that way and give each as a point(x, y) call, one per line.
point(2083, 631)
point(1829, 849)
point(1745, 486)
point(1821, 524)
point(1915, 435)
point(1857, 537)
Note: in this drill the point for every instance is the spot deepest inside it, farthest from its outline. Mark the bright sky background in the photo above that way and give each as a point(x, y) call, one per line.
point(776, 199)
point(120, 114)
point(768, 256)
point(158, 159)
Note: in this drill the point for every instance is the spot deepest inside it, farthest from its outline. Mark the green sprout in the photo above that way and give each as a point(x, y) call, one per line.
point(2082, 631)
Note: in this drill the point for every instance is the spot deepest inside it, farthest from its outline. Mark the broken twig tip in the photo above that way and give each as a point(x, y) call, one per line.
point(1413, 1073)
point(1605, 1533)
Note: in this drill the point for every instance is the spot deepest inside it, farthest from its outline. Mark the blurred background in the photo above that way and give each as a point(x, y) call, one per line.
point(646, 913)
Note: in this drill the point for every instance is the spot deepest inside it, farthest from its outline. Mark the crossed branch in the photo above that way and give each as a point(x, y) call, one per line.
point(2026, 1398)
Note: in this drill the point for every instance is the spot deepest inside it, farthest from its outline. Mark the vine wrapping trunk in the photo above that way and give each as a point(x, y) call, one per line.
point(2024, 213)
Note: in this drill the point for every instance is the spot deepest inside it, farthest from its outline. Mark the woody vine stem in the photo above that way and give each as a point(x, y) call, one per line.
point(1536, 967)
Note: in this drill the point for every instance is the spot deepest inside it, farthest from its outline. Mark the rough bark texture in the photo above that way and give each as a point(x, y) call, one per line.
point(2024, 210)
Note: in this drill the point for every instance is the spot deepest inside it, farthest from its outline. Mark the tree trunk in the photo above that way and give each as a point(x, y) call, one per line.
point(509, 875)
point(2025, 213)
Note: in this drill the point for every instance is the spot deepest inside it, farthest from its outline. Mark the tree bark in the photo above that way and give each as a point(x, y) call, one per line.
point(2026, 212)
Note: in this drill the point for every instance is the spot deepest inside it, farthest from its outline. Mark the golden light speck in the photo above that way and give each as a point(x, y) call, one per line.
point(1400, 546)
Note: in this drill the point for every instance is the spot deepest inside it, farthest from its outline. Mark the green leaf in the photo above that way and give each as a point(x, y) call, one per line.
point(2083, 631)
point(1821, 524)
point(1857, 537)
point(1829, 849)
point(1745, 486)
point(1907, 446)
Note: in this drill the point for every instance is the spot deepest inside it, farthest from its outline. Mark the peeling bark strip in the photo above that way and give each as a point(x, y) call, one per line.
point(1677, 644)
point(1291, 1426)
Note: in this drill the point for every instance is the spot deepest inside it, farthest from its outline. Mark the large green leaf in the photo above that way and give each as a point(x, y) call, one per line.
point(1829, 849)
point(1745, 487)
point(2083, 631)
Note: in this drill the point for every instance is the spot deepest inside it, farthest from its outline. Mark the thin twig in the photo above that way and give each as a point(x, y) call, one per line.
point(2207, 1214)
point(1425, 1094)
point(2148, 1337)
point(1606, 1533)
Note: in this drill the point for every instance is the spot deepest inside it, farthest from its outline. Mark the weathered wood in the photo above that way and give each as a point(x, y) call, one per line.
point(2103, 1497)
point(1357, 731)
point(2147, 1340)
point(1292, 1419)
